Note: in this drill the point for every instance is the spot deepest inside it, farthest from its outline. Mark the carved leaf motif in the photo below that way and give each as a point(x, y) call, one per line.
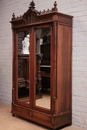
point(20, 71)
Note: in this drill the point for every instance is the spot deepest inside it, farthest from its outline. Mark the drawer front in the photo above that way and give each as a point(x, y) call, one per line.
point(33, 115)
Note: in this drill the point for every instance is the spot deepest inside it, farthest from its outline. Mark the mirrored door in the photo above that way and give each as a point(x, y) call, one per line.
point(23, 66)
point(43, 67)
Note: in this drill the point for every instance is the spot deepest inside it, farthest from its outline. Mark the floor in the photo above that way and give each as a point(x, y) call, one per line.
point(8, 122)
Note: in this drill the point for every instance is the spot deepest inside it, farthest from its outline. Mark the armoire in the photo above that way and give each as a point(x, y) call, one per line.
point(42, 66)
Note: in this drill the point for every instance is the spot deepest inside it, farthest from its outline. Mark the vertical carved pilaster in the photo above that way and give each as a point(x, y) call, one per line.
point(38, 83)
point(55, 50)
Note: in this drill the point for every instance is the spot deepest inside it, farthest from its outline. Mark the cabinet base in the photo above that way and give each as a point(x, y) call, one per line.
point(44, 119)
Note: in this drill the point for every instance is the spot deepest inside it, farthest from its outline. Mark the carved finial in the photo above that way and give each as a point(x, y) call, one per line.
point(55, 7)
point(32, 5)
point(55, 4)
point(13, 16)
point(40, 12)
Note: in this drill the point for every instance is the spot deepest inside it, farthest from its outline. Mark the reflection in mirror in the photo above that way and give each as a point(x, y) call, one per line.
point(43, 67)
point(23, 66)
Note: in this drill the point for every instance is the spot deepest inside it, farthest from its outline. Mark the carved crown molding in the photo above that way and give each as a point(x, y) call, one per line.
point(32, 15)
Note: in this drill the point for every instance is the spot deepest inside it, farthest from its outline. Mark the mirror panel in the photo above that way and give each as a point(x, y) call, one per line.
point(23, 66)
point(43, 67)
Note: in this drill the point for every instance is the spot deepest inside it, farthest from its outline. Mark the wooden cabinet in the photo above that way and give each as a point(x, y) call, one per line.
point(42, 60)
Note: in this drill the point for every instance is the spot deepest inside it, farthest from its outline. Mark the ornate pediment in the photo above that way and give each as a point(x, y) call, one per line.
point(29, 16)
point(32, 15)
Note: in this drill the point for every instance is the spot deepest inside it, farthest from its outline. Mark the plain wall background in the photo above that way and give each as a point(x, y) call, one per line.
point(77, 8)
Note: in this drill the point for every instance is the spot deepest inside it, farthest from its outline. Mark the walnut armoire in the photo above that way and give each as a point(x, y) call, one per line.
point(42, 60)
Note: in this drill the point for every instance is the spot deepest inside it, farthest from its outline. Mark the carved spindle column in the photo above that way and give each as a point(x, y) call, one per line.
point(38, 74)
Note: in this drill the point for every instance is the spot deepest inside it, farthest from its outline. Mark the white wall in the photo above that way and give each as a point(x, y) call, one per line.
point(77, 8)
point(5, 52)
